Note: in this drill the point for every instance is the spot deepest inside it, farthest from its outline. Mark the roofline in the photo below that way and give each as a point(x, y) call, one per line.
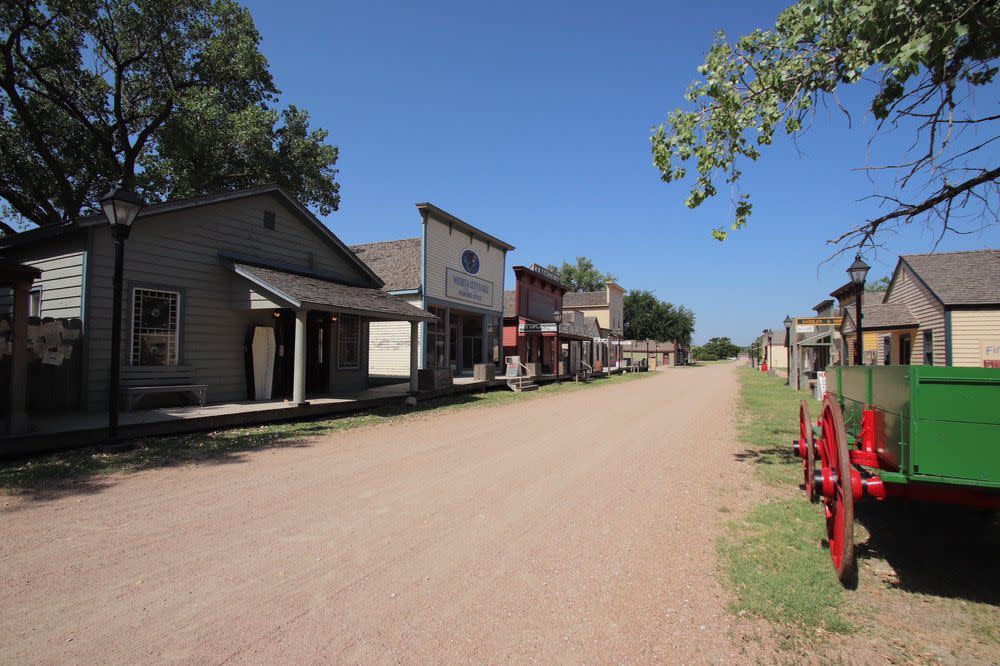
point(426, 208)
point(176, 205)
point(525, 269)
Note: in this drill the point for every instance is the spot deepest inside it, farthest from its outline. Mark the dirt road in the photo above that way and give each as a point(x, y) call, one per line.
point(577, 527)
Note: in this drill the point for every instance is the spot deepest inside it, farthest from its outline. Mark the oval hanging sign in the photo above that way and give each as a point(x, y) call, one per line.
point(470, 262)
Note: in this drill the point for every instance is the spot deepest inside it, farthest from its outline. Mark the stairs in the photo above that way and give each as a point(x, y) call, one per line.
point(521, 384)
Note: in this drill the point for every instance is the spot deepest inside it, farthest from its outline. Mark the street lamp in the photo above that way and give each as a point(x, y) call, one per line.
point(788, 349)
point(120, 207)
point(858, 272)
point(557, 318)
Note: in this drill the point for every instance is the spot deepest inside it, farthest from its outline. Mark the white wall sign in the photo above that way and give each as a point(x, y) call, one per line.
point(463, 287)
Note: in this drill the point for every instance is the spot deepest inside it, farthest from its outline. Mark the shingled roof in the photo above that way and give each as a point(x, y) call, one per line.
point(304, 290)
point(585, 299)
point(881, 316)
point(959, 278)
point(396, 262)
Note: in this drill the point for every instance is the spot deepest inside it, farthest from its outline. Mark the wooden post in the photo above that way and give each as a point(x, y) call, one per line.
point(18, 422)
point(414, 355)
point(299, 366)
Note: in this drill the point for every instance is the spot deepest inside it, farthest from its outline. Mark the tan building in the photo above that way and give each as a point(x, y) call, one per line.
point(608, 308)
point(939, 309)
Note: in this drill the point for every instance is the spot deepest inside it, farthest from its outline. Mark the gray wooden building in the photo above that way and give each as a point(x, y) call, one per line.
point(201, 276)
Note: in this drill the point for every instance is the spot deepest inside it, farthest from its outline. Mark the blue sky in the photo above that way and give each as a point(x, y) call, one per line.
point(532, 121)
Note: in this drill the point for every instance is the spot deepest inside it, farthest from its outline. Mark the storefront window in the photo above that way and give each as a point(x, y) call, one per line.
point(349, 344)
point(434, 340)
point(154, 327)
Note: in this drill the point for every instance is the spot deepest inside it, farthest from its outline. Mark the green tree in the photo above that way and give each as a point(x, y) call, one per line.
point(716, 349)
point(879, 285)
point(582, 276)
point(171, 97)
point(647, 317)
point(924, 61)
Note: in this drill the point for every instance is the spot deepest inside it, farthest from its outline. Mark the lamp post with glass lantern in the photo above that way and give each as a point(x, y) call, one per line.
point(557, 318)
point(858, 272)
point(788, 350)
point(120, 207)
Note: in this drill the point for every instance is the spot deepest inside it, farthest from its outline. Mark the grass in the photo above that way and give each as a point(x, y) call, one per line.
point(770, 557)
point(83, 464)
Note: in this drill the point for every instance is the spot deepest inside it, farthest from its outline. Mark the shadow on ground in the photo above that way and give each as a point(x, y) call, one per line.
point(86, 471)
point(940, 550)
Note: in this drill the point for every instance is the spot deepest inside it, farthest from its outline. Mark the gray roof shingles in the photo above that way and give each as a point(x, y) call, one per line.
point(396, 262)
point(585, 299)
point(315, 290)
point(960, 278)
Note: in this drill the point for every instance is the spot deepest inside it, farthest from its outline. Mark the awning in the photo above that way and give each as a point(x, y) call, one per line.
point(311, 292)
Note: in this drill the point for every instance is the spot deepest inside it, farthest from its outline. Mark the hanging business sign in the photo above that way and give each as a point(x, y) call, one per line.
point(463, 287)
point(816, 321)
point(533, 327)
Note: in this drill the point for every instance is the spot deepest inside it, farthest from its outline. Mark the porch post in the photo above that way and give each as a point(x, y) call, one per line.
point(414, 356)
point(299, 367)
point(19, 359)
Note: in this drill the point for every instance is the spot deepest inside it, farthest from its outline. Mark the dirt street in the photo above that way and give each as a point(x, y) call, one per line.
point(576, 527)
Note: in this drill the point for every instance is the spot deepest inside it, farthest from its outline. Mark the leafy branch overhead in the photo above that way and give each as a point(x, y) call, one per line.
point(171, 97)
point(923, 60)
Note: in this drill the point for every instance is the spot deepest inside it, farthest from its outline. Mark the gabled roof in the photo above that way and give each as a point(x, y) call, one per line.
point(881, 316)
point(957, 278)
point(585, 299)
point(299, 289)
point(176, 205)
point(397, 262)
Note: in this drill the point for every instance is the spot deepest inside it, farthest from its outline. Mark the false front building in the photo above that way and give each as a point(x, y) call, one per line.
point(454, 271)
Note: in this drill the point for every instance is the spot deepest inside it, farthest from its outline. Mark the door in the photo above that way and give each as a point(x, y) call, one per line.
point(284, 357)
point(318, 352)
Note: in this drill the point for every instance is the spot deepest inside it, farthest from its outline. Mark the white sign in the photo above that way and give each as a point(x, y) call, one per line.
point(531, 327)
point(513, 366)
point(991, 354)
point(805, 329)
point(463, 287)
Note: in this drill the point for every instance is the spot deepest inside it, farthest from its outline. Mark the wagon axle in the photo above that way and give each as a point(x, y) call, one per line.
point(825, 484)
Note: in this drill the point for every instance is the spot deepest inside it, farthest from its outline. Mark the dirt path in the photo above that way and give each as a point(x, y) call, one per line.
point(578, 527)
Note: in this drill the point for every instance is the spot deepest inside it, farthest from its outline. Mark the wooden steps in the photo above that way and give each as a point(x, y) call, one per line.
point(521, 384)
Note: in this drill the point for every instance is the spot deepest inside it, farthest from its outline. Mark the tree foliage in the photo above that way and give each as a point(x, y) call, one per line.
point(716, 349)
point(582, 276)
point(171, 97)
point(923, 61)
point(646, 317)
point(878, 286)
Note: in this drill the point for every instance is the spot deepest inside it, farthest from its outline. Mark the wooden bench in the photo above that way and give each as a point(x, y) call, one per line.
point(138, 381)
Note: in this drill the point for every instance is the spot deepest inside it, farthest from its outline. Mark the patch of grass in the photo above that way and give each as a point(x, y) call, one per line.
point(74, 466)
point(769, 423)
point(770, 559)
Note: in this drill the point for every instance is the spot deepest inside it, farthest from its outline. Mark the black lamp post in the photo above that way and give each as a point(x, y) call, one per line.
point(557, 318)
point(858, 272)
point(788, 349)
point(121, 207)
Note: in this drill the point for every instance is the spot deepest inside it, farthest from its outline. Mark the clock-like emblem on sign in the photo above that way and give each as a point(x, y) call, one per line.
point(470, 262)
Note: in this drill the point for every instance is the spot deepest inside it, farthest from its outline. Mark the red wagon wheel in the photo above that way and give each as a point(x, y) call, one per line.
point(838, 497)
point(806, 438)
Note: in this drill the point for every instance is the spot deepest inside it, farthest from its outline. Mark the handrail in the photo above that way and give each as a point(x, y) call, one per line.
point(589, 367)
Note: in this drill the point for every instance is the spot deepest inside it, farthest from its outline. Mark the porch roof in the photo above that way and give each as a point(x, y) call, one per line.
point(300, 290)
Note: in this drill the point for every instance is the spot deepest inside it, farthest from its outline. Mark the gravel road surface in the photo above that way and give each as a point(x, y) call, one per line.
point(575, 527)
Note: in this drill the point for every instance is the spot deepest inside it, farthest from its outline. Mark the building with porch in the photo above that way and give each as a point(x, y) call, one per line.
point(454, 271)
point(242, 295)
point(529, 327)
point(939, 309)
point(607, 306)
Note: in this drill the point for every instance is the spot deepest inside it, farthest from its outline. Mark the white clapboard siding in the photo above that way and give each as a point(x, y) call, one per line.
point(389, 346)
point(445, 245)
point(179, 252)
point(970, 329)
point(928, 311)
point(61, 283)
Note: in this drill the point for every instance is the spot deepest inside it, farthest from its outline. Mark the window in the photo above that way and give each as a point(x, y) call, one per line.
point(905, 348)
point(154, 327)
point(269, 219)
point(35, 302)
point(349, 343)
point(928, 347)
point(434, 339)
point(887, 350)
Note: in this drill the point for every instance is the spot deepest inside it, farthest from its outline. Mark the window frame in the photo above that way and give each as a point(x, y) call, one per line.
point(35, 291)
point(341, 320)
point(928, 346)
point(178, 324)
